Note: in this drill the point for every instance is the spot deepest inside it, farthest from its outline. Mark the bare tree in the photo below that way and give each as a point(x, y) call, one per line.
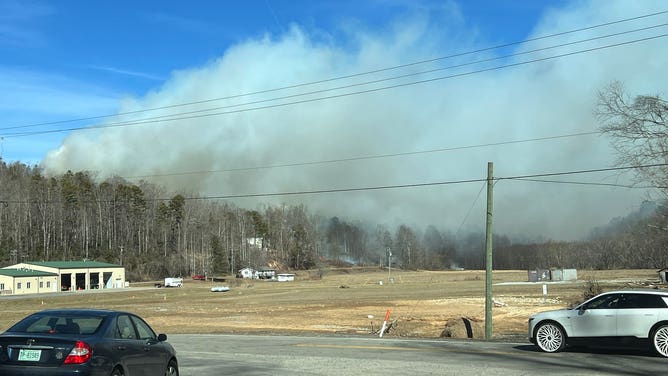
point(638, 130)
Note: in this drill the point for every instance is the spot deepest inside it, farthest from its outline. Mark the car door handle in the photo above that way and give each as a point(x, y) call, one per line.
point(122, 348)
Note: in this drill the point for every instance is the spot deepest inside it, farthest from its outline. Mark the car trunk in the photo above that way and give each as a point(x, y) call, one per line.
point(36, 351)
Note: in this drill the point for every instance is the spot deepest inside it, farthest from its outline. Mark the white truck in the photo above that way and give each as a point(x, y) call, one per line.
point(173, 282)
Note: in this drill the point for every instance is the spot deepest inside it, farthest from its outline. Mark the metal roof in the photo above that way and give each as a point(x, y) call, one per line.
point(25, 273)
point(73, 264)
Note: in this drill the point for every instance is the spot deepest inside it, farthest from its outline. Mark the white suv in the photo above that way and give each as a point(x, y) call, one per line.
point(622, 316)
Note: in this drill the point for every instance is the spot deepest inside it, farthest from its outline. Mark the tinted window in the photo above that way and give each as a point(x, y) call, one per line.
point(603, 302)
point(145, 332)
point(641, 301)
point(58, 324)
point(124, 328)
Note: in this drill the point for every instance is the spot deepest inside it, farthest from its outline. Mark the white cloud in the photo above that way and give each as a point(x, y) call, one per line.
point(551, 98)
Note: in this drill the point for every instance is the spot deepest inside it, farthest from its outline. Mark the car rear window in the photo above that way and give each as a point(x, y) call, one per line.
point(59, 324)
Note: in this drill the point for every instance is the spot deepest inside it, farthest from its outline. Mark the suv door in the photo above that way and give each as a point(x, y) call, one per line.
point(637, 313)
point(597, 317)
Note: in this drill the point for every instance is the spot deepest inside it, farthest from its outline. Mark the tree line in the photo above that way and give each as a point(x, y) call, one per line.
point(74, 217)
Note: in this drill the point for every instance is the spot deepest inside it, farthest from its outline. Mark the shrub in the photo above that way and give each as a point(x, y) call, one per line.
point(590, 289)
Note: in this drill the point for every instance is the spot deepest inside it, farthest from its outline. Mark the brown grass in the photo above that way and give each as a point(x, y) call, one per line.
point(422, 302)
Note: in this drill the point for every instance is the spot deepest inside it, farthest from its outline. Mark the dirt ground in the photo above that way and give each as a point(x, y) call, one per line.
point(350, 301)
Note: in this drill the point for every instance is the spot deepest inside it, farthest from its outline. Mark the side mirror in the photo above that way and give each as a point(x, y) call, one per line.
point(162, 337)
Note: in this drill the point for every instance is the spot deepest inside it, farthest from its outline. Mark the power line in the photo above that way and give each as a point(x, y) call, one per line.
point(586, 183)
point(468, 213)
point(381, 187)
point(172, 116)
point(369, 157)
point(345, 76)
point(144, 122)
point(452, 182)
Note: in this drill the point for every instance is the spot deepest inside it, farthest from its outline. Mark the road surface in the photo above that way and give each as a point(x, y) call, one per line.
point(201, 354)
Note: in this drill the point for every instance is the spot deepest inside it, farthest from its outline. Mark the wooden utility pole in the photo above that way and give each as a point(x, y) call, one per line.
point(488, 251)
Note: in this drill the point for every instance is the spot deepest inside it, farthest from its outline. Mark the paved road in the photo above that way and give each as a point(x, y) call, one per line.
point(204, 355)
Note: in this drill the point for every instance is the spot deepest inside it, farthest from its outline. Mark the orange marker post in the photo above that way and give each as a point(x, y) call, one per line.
point(387, 318)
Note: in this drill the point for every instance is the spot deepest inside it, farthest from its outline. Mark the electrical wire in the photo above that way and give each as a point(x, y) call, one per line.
point(345, 76)
point(586, 183)
point(170, 117)
point(360, 158)
point(468, 213)
point(464, 74)
point(429, 184)
point(379, 187)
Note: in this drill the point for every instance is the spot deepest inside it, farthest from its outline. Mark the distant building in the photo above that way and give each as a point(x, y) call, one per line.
point(61, 276)
point(663, 275)
point(286, 277)
point(22, 281)
point(266, 273)
point(254, 242)
point(247, 273)
point(542, 275)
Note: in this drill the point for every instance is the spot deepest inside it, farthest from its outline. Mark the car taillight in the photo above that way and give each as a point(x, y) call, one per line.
point(79, 354)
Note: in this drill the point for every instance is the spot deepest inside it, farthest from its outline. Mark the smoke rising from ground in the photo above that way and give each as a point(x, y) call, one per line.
point(550, 98)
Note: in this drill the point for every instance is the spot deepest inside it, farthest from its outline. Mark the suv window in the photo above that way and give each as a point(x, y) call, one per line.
point(603, 302)
point(630, 301)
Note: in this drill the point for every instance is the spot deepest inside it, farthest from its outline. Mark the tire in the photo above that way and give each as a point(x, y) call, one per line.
point(117, 372)
point(660, 340)
point(550, 337)
point(172, 368)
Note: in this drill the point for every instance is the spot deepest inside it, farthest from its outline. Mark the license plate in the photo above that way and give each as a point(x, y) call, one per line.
point(29, 355)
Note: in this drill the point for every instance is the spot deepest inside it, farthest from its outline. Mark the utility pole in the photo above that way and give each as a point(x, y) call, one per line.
point(488, 251)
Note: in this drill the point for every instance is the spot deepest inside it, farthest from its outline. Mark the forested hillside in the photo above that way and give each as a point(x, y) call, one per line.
point(154, 233)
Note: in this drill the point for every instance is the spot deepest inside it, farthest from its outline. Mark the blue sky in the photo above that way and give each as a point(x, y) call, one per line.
point(132, 46)
point(64, 60)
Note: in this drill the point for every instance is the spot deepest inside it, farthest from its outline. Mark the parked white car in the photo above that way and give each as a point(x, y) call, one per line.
point(620, 316)
point(220, 289)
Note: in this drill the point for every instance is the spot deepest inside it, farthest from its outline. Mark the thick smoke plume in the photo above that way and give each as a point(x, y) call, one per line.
point(554, 97)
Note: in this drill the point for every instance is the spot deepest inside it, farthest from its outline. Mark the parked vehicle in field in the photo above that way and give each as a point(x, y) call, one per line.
point(220, 289)
point(615, 318)
point(173, 282)
point(199, 277)
point(85, 342)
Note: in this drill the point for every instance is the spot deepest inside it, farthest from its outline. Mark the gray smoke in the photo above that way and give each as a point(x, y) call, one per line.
point(554, 97)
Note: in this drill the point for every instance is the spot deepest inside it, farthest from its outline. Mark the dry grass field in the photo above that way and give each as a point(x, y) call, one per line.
point(421, 302)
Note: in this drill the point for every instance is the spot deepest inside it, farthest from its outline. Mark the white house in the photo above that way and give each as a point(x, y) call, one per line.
point(247, 273)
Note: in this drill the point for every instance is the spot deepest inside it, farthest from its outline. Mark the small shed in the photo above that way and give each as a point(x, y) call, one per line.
point(286, 277)
point(266, 273)
point(570, 274)
point(563, 274)
point(663, 275)
point(539, 275)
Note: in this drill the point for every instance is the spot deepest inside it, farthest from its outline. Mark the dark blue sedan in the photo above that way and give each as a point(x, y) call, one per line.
point(85, 342)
